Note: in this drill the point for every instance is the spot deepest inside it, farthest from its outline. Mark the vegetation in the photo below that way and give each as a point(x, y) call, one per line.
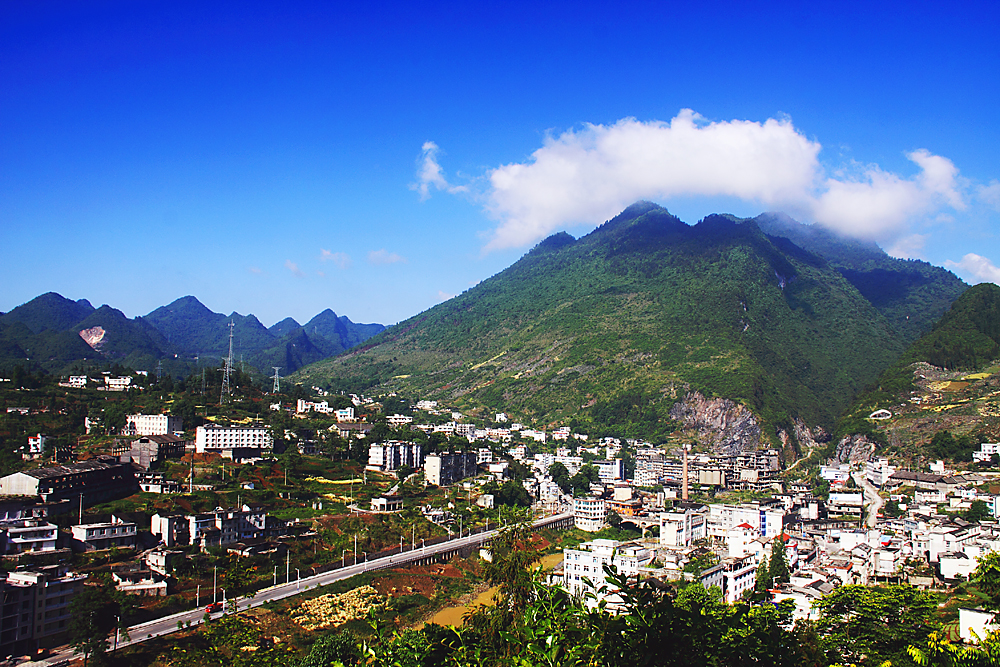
point(612, 329)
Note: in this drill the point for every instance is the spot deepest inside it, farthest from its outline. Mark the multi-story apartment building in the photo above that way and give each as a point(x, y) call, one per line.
point(768, 519)
point(18, 536)
point(681, 525)
point(583, 568)
point(99, 536)
point(389, 456)
point(233, 442)
point(153, 424)
point(216, 528)
point(590, 514)
point(446, 468)
point(36, 607)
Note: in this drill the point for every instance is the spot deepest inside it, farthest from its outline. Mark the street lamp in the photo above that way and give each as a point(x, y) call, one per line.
point(215, 579)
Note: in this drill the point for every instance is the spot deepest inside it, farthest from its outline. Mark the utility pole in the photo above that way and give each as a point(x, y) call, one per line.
point(215, 580)
point(288, 556)
point(226, 388)
point(81, 508)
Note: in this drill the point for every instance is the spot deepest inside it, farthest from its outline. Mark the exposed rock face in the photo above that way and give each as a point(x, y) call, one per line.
point(94, 337)
point(728, 426)
point(854, 449)
point(801, 440)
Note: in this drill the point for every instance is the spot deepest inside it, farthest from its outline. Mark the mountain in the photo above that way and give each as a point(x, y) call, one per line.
point(615, 327)
point(944, 382)
point(283, 327)
point(912, 294)
point(57, 333)
point(49, 312)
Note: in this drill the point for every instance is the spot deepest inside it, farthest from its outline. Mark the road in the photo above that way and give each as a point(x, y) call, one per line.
point(174, 622)
point(871, 496)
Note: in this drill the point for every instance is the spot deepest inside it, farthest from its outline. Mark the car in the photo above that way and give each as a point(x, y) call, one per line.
point(214, 607)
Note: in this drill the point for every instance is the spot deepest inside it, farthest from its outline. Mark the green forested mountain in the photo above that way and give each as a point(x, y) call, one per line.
point(611, 327)
point(56, 333)
point(911, 294)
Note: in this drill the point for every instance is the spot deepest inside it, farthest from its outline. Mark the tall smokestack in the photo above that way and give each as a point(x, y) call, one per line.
point(684, 493)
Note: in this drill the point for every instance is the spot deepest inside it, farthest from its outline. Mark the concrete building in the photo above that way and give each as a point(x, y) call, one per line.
point(682, 525)
point(610, 471)
point(589, 514)
point(392, 455)
point(446, 468)
point(233, 442)
point(36, 607)
point(36, 447)
point(28, 536)
point(386, 504)
point(766, 518)
point(217, 528)
point(100, 536)
point(97, 480)
point(583, 568)
point(153, 424)
point(136, 579)
point(149, 452)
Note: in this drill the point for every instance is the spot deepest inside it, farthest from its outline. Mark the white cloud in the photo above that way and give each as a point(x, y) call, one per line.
point(294, 268)
point(430, 174)
point(980, 268)
point(990, 194)
point(340, 259)
point(585, 176)
point(444, 296)
point(255, 270)
point(383, 257)
point(909, 247)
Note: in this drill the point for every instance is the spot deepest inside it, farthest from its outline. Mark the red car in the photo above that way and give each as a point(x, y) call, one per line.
point(214, 607)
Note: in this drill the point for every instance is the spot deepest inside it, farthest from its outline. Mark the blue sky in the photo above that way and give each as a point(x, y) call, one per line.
point(376, 158)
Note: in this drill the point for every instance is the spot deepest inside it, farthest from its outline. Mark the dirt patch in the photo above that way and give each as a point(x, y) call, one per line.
point(401, 585)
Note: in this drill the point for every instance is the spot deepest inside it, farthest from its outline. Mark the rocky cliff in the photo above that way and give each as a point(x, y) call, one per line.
point(729, 427)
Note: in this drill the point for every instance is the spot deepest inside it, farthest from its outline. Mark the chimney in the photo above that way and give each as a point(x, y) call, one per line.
point(684, 493)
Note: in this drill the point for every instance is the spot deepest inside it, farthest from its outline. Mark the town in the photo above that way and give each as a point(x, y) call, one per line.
point(321, 483)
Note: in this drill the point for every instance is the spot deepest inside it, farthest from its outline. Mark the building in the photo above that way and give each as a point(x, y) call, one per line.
point(878, 471)
point(303, 406)
point(149, 452)
point(345, 415)
point(610, 471)
point(151, 482)
point(398, 420)
point(589, 514)
point(36, 607)
point(392, 455)
point(846, 504)
point(28, 535)
point(233, 442)
point(36, 447)
point(96, 481)
point(136, 579)
point(446, 468)
point(583, 568)
point(153, 424)
point(217, 528)
point(387, 504)
point(766, 518)
point(100, 536)
point(350, 430)
point(681, 526)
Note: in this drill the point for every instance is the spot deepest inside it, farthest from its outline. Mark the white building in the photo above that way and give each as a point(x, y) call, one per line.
point(233, 442)
point(100, 536)
point(28, 535)
point(398, 420)
point(768, 520)
point(153, 424)
point(583, 568)
point(345, 415)
point(610, 471)
point(589, 514)
point(303, 406)
point(427, 405)
point(392, 455)
point(986, 451)
point(878, 471)
point(681, 526)
point(36, 446)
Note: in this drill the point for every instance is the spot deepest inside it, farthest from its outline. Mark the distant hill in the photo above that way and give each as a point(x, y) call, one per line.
point(612, 328)
point(912, 294)
point(57, 333)
point(946, 381)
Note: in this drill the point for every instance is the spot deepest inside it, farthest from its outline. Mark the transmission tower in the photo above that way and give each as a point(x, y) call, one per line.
point(277, 380)
point(159, 370)
point(226, 389)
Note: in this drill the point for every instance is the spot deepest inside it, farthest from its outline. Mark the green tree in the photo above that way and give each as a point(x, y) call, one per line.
point(94, 613)
point(341, 647)
point(763, 580)
point(560, 475)
point(778, 566)
point(979, 511)
point(873, 624)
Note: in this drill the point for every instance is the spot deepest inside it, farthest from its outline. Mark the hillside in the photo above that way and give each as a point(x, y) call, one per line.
point(613, 328)
point(947, 381)
point(56, 334)
point(911, 294)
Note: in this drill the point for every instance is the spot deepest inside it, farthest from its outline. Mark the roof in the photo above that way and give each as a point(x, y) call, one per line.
point(70, 469)
point(745, 526)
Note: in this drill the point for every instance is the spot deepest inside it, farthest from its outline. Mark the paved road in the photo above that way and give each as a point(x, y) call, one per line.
point(169, 624)
point(871, 496)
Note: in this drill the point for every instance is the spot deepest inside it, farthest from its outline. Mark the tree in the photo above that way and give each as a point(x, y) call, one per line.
point(875, 623)
point(979, 511)
point(778, 567)
point(341, 647)
point(987, 576)
point(763, 580)
point(95, 612)
point(560, 475)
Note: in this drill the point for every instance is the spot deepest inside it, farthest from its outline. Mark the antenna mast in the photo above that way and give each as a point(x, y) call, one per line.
point(226, 389)
point(277, 380)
